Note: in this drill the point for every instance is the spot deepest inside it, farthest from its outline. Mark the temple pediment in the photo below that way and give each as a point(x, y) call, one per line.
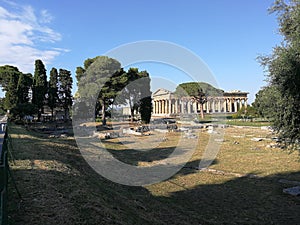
point(161, 92)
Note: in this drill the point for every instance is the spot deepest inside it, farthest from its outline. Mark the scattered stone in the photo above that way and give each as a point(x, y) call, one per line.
point(161, 130)
point(219, 140)
point(236, 143)
point(164, 139)
point(293, 182)
point(114, 134)
point(295, 191)
point(227, 173)
point(256, 139)
point(190, 136)
point(276, 139)
point(139, 131)
point(238, 136)
point(223, 125)
point(272, 145)
point(183, 129)
point(266, 128)
point(210, 131)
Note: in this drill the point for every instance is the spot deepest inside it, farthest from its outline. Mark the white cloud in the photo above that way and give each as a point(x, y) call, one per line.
point(46, 17)
point(23, 32)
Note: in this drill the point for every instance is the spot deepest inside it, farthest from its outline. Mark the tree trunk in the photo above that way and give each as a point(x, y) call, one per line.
point(66, 114)
point(201, 111)
point(132, 114)
point(52, 109)
point(39, 115)
point(103, 114)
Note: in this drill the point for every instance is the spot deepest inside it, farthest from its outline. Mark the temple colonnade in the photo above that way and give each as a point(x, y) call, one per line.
point(167, 104)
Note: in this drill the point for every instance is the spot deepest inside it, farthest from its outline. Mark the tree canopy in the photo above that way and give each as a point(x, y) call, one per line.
point(5, 75)
point(192, 88)
point(100, 82)
point(65, 90)
point(53, 90)
point(135, 93)
point(103, 82)
point(17, 86)
point(11, 94)
point(283, 67)
point(24, 84)
point(39, 89)
point(197, 91)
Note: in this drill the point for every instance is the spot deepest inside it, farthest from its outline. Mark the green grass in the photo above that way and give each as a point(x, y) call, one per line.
point(59, 187)
point(248, 123)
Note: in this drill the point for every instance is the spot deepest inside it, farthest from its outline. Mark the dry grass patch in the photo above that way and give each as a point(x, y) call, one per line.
point(59, 187)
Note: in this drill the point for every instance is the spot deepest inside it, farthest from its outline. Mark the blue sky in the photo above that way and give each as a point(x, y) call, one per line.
point(227, 35)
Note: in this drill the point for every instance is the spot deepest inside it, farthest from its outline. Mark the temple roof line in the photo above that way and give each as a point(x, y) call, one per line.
point(162, 91)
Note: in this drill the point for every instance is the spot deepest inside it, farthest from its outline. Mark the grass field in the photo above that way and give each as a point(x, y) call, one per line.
point(248, 123)
point(58, 187)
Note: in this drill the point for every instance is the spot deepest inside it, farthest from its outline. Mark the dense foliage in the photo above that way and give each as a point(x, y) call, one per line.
point(282, 96)
point(198, 92)
point(53, 90)
point(65, 98)
point(39, 88)
point(246, 113)
point(102, 81)
point(19, 101)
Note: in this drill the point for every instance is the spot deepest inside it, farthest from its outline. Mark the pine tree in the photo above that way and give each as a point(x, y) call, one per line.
point(5, 75)
point(39, 87)
point(53, 90)
point(24, 84)
point(100, 82)
point(11, 95)
point(65, 91)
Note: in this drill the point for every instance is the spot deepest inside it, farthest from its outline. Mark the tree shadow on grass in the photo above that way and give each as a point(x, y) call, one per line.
point(87, 198)
point(241, 201)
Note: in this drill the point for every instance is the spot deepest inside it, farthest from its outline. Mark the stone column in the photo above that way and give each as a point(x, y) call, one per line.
point(235, 105)
point(230, 105)
point(170, 106)
point(213, 106)
point(241, 105)
point(220, 107)
point(176, 106)
point(167, 107)
point(224, 105)
point(189, 107)
point(208, 106)
point(245, 103)
point(195, 104)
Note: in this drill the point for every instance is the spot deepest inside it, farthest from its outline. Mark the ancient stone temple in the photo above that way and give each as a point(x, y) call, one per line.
point(165, 103)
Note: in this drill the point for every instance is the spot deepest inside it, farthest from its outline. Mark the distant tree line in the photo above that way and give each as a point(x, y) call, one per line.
point(28, 95)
